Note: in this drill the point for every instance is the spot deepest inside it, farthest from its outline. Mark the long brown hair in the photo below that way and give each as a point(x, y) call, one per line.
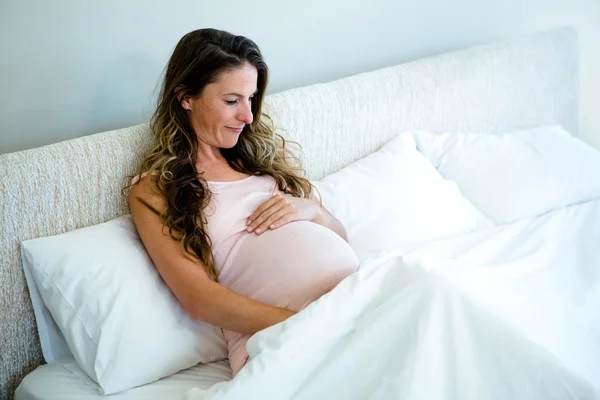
point(198, 60)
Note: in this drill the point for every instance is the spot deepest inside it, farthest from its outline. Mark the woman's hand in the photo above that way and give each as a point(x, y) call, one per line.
point(281, 209)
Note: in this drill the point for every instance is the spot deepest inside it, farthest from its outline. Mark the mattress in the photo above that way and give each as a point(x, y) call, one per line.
point(64, 380)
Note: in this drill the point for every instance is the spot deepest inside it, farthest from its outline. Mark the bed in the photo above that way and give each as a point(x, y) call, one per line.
point(514, 87)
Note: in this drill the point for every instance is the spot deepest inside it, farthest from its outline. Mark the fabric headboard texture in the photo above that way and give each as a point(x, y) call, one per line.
point(73, 184)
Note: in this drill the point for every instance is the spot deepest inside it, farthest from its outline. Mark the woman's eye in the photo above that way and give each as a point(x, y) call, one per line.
point(231, 102)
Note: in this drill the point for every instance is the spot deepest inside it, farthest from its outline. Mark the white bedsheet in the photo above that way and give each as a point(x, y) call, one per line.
point(66, 381)
point(508, 313)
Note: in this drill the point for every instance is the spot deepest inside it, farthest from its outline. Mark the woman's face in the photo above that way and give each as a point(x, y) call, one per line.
point(220, 112)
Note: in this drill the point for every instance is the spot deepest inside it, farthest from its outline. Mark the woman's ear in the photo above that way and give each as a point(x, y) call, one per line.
point(182, 97)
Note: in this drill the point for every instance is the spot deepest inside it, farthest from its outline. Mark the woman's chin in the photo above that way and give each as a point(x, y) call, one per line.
point(228, 144)
point(228, 139)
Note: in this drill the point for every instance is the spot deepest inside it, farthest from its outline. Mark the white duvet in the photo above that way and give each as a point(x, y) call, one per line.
point(508, 313)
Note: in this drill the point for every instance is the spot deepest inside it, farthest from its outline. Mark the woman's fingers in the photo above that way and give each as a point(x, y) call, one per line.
point(258, 220)
point(279, 210)
point(263, 207)
point(276, 219)
point(293, 216)
point(267, 213)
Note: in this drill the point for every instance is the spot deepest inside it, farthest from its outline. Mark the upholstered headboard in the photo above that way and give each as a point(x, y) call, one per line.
point(76, 183)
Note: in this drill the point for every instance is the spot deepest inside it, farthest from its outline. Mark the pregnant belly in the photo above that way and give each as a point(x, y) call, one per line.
point(290, 266)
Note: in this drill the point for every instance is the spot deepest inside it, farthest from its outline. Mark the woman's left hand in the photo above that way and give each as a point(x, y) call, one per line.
point(281, 209)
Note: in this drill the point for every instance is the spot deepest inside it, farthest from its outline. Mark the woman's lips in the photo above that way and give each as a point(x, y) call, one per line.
point(236, 130)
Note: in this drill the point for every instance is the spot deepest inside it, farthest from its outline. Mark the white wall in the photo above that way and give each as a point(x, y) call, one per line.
point(585, 16)
point(71, 68)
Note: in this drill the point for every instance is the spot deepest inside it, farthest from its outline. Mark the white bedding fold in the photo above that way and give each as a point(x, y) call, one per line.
point(509, 313)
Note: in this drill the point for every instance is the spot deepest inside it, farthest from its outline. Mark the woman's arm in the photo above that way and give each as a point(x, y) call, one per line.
point(201, 297)
point(327, 220)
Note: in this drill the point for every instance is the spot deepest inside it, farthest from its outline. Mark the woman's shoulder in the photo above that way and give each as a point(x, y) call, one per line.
point(137, 178)
point(143, 190)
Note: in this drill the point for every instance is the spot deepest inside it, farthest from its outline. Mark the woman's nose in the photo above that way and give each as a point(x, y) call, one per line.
point(246, 114)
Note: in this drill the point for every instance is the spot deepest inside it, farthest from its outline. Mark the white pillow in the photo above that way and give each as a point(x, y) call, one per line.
point(394, 198)
point(54, 345)
point(121, 322)
point(516, 175)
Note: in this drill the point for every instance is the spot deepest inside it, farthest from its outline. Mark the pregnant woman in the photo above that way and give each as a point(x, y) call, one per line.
point(230, 223)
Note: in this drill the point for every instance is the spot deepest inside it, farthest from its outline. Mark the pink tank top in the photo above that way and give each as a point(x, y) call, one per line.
point(287, 267)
